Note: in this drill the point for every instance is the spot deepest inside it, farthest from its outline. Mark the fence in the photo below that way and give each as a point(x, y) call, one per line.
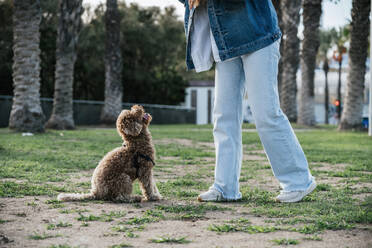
point(88, 112)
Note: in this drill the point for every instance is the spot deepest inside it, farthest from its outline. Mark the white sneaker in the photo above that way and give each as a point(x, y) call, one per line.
point(295, 196)
point(211, 195)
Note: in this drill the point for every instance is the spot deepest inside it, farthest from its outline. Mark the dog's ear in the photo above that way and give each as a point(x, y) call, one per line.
point(133, 128)
point(119, 120)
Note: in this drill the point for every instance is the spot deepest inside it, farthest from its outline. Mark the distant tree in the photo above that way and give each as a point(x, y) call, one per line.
point(153, 48)
point(48, 42)
point(89, 73)
point(341, 37)
point(6, 52)
point(26, 113)
point(290, 57)
point(326, 37)
point(48, 34)
point(113, 65)
point(312, 10)
point(68, 28)
point(152, 44)
point(353, 107)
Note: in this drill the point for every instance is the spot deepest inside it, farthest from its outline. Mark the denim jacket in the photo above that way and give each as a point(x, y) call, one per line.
point(238, 26)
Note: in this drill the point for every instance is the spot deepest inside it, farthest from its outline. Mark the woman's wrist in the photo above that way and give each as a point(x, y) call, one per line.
point(196, 3)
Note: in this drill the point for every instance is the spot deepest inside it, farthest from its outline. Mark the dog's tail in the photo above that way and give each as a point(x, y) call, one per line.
point(75, 197)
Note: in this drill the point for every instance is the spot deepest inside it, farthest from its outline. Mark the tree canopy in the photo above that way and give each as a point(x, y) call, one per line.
point(152, 46)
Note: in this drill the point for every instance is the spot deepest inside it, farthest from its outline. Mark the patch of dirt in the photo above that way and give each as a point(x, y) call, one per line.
point(361, 197)
point(183, 142)
point(169, 158)
point(206, 144)
point(330, 167)
point(254, 157)
point(257, 152)
point(333, 181)
point(84, 176)
point(100, 234)
point(13, 180)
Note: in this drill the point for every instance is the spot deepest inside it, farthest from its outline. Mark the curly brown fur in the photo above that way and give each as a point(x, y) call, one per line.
point(113, 177)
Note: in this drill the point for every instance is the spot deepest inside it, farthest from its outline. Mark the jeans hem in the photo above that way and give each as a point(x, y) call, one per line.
point(224, 195)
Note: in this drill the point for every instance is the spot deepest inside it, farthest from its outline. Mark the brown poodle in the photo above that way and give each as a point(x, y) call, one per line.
point(113, 177)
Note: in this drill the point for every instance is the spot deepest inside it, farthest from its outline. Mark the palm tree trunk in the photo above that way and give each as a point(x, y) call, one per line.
point(68, 29)
point(326, 91)
point(26, 113)
point(290, 57)
point(353, 107)
point(312, 10)
point(113, 65)
point(281, 26)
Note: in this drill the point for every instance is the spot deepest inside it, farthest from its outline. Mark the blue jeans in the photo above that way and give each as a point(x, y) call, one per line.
point(255, 73)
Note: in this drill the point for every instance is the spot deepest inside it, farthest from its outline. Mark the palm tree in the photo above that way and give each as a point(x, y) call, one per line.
point(281, 26)
point(352, 112)
point(290, 57)
point(68, 28)
point(26, 113)
point(312, 10)
point(113, 65)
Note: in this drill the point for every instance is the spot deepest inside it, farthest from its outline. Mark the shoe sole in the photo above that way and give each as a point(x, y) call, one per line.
point(218, 200)
point(307, 192)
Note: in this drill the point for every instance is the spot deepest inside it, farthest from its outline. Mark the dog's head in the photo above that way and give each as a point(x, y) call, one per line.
point(132, 122)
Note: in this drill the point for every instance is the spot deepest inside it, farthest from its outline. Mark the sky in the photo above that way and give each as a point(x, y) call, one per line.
point(334, 15)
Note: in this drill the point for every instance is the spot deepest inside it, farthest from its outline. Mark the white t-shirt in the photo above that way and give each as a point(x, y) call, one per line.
point(204, 50)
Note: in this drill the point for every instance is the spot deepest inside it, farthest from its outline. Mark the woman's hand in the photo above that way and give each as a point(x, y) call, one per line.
point(196, 3)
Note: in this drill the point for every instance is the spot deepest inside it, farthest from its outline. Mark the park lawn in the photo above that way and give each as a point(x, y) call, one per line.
point(34, 169)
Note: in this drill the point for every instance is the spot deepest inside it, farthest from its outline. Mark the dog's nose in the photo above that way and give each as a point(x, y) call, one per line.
point(146, 116)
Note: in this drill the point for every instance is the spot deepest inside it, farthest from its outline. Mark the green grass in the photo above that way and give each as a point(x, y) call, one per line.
point(181, 240)
point(241, 225)
point(42, 236)
point(55, 204)
point(86, 218)
point(5, 221)
point(122, 245)
point(142, 220)
point(286, 241)
point(60, 246)
point(104, 217)
point(43, 164)
point(313, 238)
point(58, 225)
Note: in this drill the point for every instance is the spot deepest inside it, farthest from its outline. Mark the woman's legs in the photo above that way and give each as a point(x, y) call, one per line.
point(283, 150)
point(228, 116)
point(257, 73)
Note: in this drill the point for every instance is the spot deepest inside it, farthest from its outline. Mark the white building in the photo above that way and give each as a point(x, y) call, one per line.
point(200, 95)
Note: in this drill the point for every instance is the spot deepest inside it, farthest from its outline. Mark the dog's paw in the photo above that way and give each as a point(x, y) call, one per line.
point(155, 198)
point(136, 198)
